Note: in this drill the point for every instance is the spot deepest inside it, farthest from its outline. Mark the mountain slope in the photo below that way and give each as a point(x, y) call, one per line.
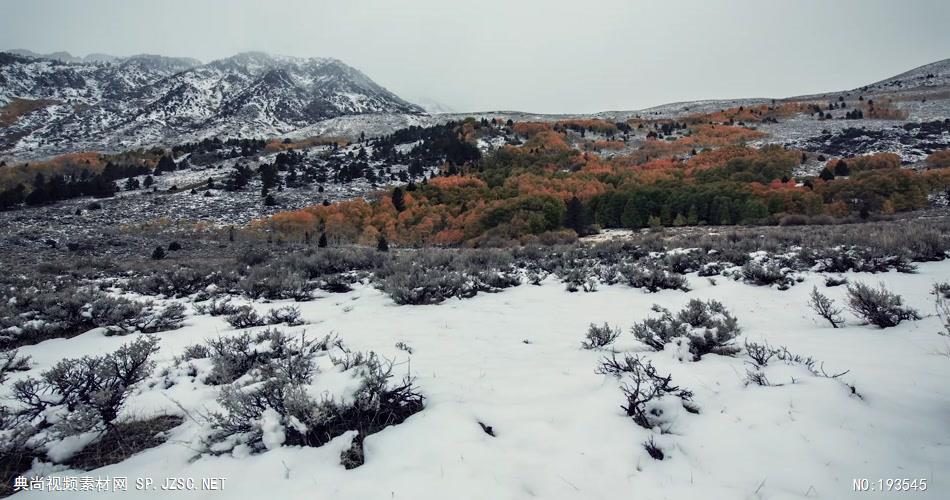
point(145, 100)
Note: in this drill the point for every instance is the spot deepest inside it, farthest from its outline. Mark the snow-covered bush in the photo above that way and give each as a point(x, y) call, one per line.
point(277, 407)
point(825, 307)
point(181, 281)
point(711, 269)
point(84, 395)
point(879, 306)
point(650, 397)
point(707, 326)
point(579, 279)
point(276, 283)
point(760, 354)
point(217, 307)
point(942, 293)
point(496, 280)
point(329, 261)
point(233, 357)
point(11, 361)
point(840, 259)
point(337, 283)
point(652, 449)
point(287, 314)
point(766, 274)
point(653, 278)
point(41, 314)
point(599, 337)
point(942, 290)
point(831, 281)
point(683, 261)
point(418, 285)
point(162, 319)
point(245, 317)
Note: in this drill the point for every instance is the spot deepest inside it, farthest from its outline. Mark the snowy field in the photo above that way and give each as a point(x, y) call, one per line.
point(513, 361)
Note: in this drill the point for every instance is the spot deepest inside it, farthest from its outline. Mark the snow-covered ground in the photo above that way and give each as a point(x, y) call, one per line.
point(512, 360)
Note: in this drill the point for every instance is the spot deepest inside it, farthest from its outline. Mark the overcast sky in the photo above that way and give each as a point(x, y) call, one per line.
point(531, 55)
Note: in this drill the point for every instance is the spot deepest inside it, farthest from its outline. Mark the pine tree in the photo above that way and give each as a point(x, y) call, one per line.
point(399, 199)
point(158, 253)
point(322, 242)
point(381, 244)
point(574, 215)
point(842, 169)
point(165, 164)
point(826, 174)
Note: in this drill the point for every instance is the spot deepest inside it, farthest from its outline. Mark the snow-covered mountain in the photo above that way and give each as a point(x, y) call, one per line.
point(65, 103)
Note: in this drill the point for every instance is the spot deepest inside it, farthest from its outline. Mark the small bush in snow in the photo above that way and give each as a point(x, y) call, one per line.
point(181, 281)
point(354, 456)
point(599, 337)
point(707, 326)
point(711, 269)
point(645, 390)
point(652, 449)
point(942, 293)
point(879, 306)
point(217, 307)
point(89, 391)
point(44, 314)
point(279, 410)
point(276, 283)
point(245, 317)
point(653, 278)
point(682, 262)
point(402, 346)
point(169, 317)
point(942, 290)
point(11, 361)
point(766, 274)
point(336, 283)
point(233, 357)
point(760, 354)
point(825, 307)
point(831, 281)
point(418, 286)
point(287, 314)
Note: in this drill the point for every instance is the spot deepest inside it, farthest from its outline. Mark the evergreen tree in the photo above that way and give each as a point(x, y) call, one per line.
point(322, 242)
point(38, 196)
point(826, 174)
point(399, 200)
point(165, 164)
point(574, 215)
point(842, 169)
point(381, 244)
point(158, 253)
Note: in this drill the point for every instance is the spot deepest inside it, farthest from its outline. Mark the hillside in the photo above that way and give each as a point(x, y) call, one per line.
point(148, 100)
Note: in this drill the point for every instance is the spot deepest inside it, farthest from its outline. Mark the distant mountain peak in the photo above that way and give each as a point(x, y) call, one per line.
point(149, 99)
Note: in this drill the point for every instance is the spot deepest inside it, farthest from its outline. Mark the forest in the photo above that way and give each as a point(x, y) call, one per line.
point(543, 183)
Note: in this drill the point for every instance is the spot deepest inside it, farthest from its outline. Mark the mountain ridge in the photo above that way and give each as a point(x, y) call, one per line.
point(144, 100)
point(72, 104)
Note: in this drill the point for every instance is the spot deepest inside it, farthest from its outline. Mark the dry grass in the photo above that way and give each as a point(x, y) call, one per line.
point(17, 107)
point(124, 440)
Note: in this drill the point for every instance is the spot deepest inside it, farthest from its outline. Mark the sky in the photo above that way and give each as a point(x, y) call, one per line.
point(547, 56)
